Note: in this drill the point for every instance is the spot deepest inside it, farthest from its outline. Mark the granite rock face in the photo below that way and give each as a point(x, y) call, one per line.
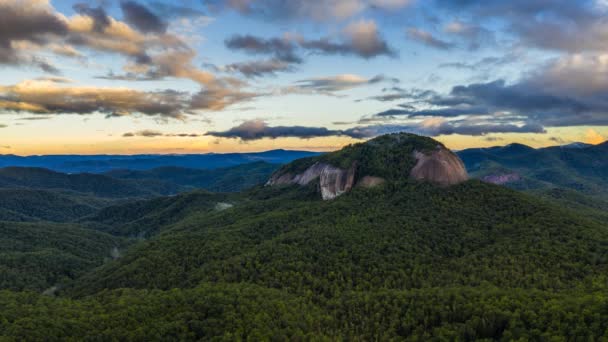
point(441, 167)
point(333, 181)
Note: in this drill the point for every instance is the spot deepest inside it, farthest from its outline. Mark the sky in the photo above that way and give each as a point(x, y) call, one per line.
point(198, 76)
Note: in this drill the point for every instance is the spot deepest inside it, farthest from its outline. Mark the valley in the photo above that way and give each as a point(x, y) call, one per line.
point(406, 258)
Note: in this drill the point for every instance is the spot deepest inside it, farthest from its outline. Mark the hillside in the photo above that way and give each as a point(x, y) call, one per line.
point(84, 183)
point(145, 218)
point(407, 258)
point(26, 205)
point(574, 176)
point(38, 256)
point(401, 250)
point(230, 179)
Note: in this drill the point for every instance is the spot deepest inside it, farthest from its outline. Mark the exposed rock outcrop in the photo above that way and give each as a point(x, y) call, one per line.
point(370, 182)
point(440, 167)
point(502, 179)
point(333, 181)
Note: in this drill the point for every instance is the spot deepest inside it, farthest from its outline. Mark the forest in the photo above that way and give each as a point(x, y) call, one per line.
point(406, 260)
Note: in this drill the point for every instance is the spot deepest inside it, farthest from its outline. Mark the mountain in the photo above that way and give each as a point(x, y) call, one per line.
point(105, 163)
point(85, 183)
point(231, 179)
point(578, 171)
point(387, 158)
point(576, 145)
point(581, 168)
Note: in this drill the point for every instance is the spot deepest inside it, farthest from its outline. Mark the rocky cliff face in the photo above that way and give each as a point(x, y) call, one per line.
point(440, 167)
point(333, 181)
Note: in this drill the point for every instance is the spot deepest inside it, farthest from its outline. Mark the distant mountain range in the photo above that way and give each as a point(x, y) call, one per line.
point(578, 166)
point(105, 163)
point(37, 194)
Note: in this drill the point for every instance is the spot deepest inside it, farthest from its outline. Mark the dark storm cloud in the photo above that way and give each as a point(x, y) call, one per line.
point(142, 18)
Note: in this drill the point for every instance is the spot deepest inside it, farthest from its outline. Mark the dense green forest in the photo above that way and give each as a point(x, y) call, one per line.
point(402, 261)
point(39, 256)
point(405, 260)
point(232, 179)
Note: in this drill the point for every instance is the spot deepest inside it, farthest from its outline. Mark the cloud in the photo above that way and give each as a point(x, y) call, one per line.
point(282, 48)
point(33, 22)
point(559, 25)
point(428, 39)
point(442, 112)
point(332, 84)
point(360, 38)
point(440, 127)
point(475, 36)
point(175, 11)
point(260, 68)
point(398, 93)
point(486, 63)
point(147, 133)
point(259, 129)
point(568, 91)
point(142, 18)
point(327, 10)
point(101, 20)
point(218, 98)
point(45, 97)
